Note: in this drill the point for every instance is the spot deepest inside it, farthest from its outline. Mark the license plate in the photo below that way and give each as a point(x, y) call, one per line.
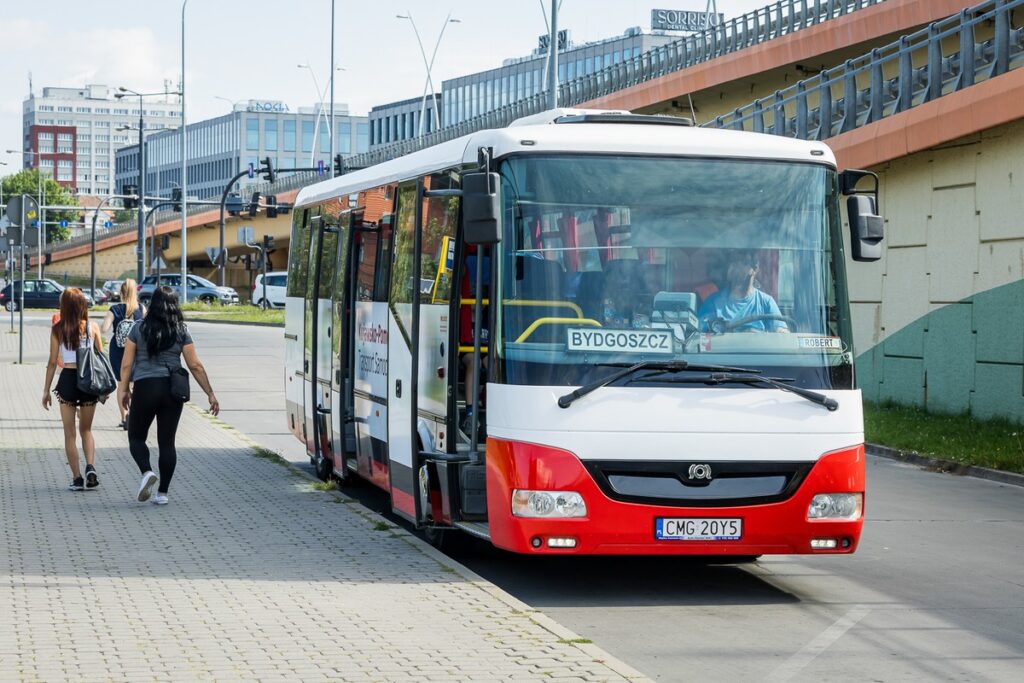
point(698, 528)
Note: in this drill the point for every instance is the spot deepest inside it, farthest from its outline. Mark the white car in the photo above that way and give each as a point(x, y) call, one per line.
point(277, 284)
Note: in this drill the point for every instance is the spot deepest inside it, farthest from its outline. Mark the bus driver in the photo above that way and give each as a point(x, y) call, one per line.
point(740, 299)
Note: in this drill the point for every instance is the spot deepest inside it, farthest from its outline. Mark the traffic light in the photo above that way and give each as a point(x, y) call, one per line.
point(268, 170)
point(176, 198)
point(254, 204)
point(339, 165)
point(271, 206)
point(47, 258)
point(131, 201)
point(268, 243)
point(164, 242)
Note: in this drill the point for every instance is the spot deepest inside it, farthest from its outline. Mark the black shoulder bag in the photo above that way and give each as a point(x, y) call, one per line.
point(181, 390)
point(94, 374)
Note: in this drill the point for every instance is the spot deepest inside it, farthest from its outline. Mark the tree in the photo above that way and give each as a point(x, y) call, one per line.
point(27, 182)
point(125, 215)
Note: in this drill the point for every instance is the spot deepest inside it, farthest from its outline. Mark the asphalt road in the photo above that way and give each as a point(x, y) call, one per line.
point(935, 592)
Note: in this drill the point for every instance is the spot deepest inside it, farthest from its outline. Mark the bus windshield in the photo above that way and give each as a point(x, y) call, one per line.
point(610, 260)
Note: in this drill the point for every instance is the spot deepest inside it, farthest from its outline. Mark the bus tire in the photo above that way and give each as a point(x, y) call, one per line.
point(448, 541)
point(324, 468)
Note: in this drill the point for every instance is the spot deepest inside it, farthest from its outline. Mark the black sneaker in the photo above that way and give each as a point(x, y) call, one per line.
point(77, 485)
point(91, 481)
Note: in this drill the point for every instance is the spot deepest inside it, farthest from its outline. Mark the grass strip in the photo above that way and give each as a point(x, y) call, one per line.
point(241, 313)
point(997, 443)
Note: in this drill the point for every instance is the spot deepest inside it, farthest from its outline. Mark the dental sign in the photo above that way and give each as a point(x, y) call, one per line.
point(267, 105)
point(677, 20)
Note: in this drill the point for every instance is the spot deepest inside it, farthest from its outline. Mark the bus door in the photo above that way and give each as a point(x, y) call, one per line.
point(295, 312)
point(342, 310)
point(308, 338)
point(419, 340)
point(323, 257)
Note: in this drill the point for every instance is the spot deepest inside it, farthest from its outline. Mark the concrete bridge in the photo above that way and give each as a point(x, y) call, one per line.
point(927, 94)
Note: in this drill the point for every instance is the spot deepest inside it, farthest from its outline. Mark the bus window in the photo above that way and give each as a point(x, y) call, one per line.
point(366, 264)
point(380, 287)
point(297, 263)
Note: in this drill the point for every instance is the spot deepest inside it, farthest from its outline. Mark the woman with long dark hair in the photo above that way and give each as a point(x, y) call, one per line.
point(153, 351)
point(71, 332)
point(121, 317)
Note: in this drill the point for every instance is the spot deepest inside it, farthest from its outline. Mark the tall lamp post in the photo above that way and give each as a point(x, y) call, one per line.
point(140, 261)
point(184, 165)
point(429, 66)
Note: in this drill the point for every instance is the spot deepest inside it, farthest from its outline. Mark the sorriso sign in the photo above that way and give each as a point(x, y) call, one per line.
point(678, 20)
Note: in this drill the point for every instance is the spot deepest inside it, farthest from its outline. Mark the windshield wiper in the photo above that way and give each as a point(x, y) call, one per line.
point(660, 366)
point(778, 382)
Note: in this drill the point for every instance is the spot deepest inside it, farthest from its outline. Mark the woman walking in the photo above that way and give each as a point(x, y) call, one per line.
point(121, 317)
point(72, 332)
point(152, 352)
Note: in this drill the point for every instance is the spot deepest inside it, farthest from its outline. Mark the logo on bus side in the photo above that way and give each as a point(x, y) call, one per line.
point(701, 471)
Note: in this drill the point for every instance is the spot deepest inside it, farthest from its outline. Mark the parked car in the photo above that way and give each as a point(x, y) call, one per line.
point(277, 283)
point(38, 294)
point(113, 289)
point(199, 289)
point(96, 296)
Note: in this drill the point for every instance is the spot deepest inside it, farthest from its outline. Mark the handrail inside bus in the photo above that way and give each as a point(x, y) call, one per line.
point(529, 302)
point(554, 321)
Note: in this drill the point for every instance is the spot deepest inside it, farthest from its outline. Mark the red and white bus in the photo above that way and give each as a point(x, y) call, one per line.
point(656, 315)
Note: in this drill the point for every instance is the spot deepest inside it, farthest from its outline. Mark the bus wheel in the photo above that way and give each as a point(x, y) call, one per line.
point(743, 559)
point(324, 468)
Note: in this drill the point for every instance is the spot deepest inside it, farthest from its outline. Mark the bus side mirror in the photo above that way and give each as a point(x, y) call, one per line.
point(480, 208)
point(866, 227)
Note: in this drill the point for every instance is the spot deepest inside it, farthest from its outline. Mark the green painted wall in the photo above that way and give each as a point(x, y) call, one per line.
point(966, 357)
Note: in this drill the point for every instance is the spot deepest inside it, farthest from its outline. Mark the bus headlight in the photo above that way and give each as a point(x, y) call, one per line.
point(836, 506)
point(548, 504)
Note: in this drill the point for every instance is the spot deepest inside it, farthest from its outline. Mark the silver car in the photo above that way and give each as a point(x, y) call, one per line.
point(199, 289)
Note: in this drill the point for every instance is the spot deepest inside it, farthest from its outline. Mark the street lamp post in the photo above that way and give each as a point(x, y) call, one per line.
point(428, 66)
point(184, 167)
point(322, 112)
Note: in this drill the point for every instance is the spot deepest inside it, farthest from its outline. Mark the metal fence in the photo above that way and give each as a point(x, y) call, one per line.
point(859, 92)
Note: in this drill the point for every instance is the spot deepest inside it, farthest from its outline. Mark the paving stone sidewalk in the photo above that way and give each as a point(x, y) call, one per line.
point(248, 574)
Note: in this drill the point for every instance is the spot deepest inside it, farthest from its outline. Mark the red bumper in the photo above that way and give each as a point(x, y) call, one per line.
point(617, 528)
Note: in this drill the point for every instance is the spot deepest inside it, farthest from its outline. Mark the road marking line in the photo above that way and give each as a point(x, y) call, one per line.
point(807, 654)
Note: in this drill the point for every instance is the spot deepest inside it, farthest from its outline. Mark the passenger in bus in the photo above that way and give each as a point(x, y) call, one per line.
point(623, 294)
point(740, 299)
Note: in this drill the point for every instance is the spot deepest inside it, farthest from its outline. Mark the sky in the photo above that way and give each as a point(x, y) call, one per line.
point(250, 50)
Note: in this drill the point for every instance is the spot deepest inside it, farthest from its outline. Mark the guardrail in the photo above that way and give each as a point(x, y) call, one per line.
point(950, 57)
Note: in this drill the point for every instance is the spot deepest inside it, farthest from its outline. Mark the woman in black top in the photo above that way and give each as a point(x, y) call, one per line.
point(121, 317)
point(154, 348)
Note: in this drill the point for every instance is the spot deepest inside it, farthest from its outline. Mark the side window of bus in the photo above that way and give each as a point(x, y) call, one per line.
point(366, 264)
point(383, 279)
point(297, 250)
point(440, 220)
point(402, 285)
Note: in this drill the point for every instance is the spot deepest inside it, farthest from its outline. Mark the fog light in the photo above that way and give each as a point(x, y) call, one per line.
point(823, 543)
point(836, 506)
point(557, 542)
point(548, 504)
point(535, 541)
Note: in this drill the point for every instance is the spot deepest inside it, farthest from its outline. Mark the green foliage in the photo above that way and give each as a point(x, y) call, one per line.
point(27, 182)
point(998, 444)
point(125, 216)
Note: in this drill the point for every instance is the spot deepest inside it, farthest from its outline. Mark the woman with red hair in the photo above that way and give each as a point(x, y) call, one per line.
point(72, 332)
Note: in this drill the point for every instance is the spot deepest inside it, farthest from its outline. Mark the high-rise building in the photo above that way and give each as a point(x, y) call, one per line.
point(73, 133)
point(220, 147)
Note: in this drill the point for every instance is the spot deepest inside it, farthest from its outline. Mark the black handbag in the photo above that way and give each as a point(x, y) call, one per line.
point(181, 390)
point(94, 372)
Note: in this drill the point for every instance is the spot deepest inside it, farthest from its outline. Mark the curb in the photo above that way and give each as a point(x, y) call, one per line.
point(564, 635)
point(945, 466)
point(232, 322)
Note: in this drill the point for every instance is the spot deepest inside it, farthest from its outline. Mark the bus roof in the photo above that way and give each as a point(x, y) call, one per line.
point(540, 134)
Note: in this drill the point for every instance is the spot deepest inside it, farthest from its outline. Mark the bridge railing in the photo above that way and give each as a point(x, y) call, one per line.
point(951, 56)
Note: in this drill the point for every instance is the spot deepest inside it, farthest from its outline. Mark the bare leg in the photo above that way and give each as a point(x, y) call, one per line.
point(67, 417)
point(85, 416)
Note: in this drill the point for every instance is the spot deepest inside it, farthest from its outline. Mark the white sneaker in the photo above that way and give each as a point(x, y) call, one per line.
point(146, 486)
point(160, 499)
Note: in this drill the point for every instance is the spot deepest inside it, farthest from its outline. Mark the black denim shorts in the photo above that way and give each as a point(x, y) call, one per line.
point(67, 390)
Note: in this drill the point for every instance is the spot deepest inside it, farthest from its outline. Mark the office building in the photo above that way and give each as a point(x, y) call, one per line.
point(220, 147)
point(72, 133)
point(401, 120)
